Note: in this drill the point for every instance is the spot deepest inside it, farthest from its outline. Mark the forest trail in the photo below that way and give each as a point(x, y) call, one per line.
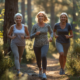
point(30, 71)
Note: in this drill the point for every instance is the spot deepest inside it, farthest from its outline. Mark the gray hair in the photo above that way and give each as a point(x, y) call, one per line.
point(63, 13)
point(18, 14)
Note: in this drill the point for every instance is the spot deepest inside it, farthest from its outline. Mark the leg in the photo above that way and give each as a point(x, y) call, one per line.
point(64, 62)
point(37, 51)
point(16, 55)
point(59, 47)
point(61, 59)
point(21, 50)
point(44, 51)
point(65, 47)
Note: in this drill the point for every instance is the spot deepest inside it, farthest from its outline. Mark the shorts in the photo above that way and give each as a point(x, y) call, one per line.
point(62, 47)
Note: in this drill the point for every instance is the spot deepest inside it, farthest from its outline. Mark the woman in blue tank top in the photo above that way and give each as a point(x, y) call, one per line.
point(61, 32)
point(17, 35)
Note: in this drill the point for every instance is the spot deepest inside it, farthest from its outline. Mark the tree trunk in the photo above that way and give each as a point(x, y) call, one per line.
point(74, 17)
point(23, 10)
point(11, 7)
point(29, 15)
point(52, 15)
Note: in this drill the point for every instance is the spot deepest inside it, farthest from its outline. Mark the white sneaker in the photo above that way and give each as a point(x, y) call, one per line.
point(44, 76)
point(40, 73)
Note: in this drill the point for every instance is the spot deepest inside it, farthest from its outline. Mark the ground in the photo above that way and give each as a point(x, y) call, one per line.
point(30, 71)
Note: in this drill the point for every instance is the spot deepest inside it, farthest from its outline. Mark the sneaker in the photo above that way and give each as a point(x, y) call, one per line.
point(44, 76)
point(62, 71)
point(20, 74)
point(40, 73)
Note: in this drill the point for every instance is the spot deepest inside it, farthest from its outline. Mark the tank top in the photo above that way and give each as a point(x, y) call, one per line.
point(18, 33)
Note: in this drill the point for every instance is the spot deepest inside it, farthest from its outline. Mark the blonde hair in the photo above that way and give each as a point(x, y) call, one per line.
point(18, 14)
point(45, 16)
point(63, 13)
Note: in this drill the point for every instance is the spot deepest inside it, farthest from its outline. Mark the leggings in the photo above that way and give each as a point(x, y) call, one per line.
point(40, 53)
point(17, 51)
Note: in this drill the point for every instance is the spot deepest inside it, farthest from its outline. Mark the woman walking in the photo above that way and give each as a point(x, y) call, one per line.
point(17, 35)
point(61, 32)
point(41, 44)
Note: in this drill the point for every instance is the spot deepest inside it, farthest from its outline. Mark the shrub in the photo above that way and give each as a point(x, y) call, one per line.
point(73, 61)
point(28, 55)
point(5, 63)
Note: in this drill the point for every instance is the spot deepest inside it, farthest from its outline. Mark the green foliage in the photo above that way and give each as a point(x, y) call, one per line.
point(28, 55)
point(73, 61)
point(2, 19)
point(73, 66)
point(7, 75)
point(5, 64)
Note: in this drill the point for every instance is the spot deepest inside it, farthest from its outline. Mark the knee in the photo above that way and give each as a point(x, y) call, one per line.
point(61, 53)
point(43, 56)
point(17, 58)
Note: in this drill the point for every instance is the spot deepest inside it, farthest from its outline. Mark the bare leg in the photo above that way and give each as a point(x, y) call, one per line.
point(64, 62)
point(21, 50)
point(44, 70)
point(61, 59)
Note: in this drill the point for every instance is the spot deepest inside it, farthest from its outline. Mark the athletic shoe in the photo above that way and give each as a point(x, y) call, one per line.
point(20, 74)
point(40, 73)
point(62, 71)
point(44, 76)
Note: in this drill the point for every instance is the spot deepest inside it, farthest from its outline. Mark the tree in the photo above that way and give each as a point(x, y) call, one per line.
point(23, 10)
point(29, 15)
point(50, 8)
point(11, 7)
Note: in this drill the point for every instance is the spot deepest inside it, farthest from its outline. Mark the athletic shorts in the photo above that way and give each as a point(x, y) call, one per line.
point(62, 47)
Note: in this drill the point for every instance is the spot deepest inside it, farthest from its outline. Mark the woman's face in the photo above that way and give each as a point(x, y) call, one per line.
point(63, 18)
point(40, 17)
point(18, 19)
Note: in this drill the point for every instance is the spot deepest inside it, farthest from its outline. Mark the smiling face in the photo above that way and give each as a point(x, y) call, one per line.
point(63, 18)
point(18, 19)
point(41, 18)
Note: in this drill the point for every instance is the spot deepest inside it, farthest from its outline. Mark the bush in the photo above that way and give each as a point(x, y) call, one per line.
point(28, 55)
point(73, 61)
point(5, 63)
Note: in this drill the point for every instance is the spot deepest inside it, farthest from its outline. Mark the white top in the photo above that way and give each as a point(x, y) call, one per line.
point(18, 33)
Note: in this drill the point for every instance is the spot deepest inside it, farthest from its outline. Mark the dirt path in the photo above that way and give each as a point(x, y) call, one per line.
point(30, 71)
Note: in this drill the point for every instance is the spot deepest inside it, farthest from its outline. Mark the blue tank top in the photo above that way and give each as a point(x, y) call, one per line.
point(18, 33)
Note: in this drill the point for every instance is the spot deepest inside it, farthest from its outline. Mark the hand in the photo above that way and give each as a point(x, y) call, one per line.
point(56, 36)
point(22, 37)
point(50, 39)
point(27, 37)
point(37, 33)
point(13, 37)
point(67, 36)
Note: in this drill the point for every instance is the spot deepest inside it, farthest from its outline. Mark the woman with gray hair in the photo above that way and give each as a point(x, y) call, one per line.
point(17, 34)
point(41, 44)
point(63, 39)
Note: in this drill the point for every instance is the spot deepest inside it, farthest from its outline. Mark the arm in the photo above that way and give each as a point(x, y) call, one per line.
point(33, 32)
point(70, 31)
point(51, 33)
point(71, 34)
point(10, 32)
point(27, 32)
point(54, 31)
